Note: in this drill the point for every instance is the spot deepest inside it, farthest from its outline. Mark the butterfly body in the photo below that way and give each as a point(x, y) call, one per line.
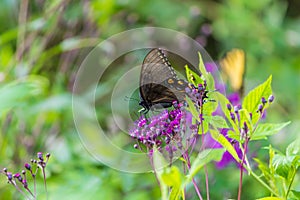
point(159, 84)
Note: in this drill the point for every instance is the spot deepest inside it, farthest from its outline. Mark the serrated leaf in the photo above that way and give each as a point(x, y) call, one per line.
point(296, 161)
point(217, 121)
point(209, 107)
point(253, 99)
point(193, 77)
point(223, 101)
point(225, 143)
point(205, 128)
point(267, 129)
point(206, 75)
point(293, 148)
point(233, 135)
point(202, 159)
point(192, 109)
point(210, 82)
point(245, 117)
point(202, 66)
point(263, 168)
point(172, 178)
point(282, 165)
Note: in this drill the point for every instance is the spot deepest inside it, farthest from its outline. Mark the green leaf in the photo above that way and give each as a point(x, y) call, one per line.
point(225, 143)
point(293, 148)
point(192, 109)
point(210, 82)
point(296, 193)
point(202, 159)
point(253, 99)
point(263, 168)
point(282, 165)
point(245, 117)
point(205, 127)
point(223, 101)
point(272, 181)
point(206, 75)
point(193, 77)
point(267, 129)
point(172, 178)
point(216, 121)
point(202, 67)
point(209, 107)
point(270, 198)
point(233, 135)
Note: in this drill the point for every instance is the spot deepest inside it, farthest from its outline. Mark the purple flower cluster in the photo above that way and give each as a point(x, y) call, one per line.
point(159, 130)
point(21, 178)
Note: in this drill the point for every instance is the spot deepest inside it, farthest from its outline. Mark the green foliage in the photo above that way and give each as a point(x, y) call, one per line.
point(267, 129)
point(40, 54)
point(225, 143)
point(203, 158)
point(282, 171)
point(253, 99)
point(172, 178)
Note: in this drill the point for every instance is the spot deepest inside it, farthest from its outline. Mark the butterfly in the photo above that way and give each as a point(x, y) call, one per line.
point(159, 84)
point(233, 67)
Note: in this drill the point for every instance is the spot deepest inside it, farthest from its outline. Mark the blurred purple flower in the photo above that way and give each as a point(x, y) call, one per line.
point(234, 98)
point(211, 67)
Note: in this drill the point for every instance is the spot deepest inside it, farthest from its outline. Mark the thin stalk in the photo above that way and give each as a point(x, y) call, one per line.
point(19, 189)
point(45, 183)
point(242, 169)
point(202, 139)
point(263, 183)
point(186, 157)
point(290, 185)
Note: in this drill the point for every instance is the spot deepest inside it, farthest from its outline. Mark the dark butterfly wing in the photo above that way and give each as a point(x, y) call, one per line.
point(158, 81)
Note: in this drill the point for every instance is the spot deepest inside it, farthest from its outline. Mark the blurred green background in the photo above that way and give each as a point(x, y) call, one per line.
point(42, 44)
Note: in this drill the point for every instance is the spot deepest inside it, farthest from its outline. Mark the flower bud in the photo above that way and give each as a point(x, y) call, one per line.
point(260, 107)
point(40, 155)
point(232, 116)
point(263, 100)
point(271, 98)
point(25, 184)
point(27, 166)
point(245, 127)
point(237, 108)
point(229, 107)
point(9, 176)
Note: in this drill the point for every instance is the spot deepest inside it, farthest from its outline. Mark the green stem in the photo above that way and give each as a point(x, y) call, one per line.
point(262, 182)
point(242, 169)
point(290, 185)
